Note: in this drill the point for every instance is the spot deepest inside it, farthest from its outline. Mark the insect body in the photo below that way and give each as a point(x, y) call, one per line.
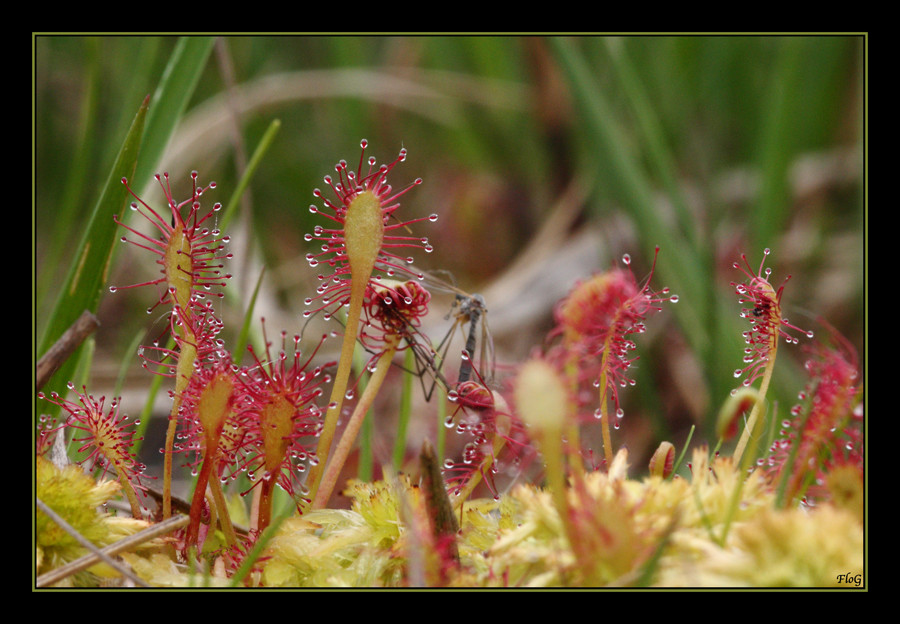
point(478, 353)
point(471, 309)
point(760, 309)
point(389, 307)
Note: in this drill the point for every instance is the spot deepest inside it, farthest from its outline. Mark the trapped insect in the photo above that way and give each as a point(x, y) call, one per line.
point(478, 351)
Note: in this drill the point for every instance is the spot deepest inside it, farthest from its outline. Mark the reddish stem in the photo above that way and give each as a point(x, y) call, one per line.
point(265, 503)
point(199, 497)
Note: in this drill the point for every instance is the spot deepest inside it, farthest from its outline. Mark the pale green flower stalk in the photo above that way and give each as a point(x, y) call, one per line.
point(544, 404)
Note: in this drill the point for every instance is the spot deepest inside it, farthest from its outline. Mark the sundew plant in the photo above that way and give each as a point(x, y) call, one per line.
point(657, 387)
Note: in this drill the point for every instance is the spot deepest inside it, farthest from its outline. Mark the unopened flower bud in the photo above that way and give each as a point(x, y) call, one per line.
point(663, 460)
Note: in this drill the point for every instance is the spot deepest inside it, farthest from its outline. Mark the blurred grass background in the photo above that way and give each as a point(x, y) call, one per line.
point(547, 158)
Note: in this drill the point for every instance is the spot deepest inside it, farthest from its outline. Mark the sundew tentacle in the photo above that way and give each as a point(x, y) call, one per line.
point(282, 418)
point(107, 437)
point(190, 255)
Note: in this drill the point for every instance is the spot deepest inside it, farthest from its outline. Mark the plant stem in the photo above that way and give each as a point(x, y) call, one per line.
point(199, 496)
point(132, 497)
point(224, 516)
point(573, 435)
point(186, 357)
point(556, 481)
point(337, 459)
point(404, 413)
point(267, 488)
point(486, 464)
point(604, 412)
point(573, 449)
point(754, 414)
point(340, 386)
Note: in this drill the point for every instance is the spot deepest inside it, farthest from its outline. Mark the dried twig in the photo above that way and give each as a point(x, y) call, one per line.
point(104, 554)
point(83, 327)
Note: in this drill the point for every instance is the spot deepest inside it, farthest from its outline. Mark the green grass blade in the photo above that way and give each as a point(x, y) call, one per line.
point(684, 450)
point(170, 100)
point(405, 413)
point(660, 156)
point(244, 336)
point(67, 214)
point(234, 201)
point(150, 131)
point(259, 548)
point(366, 462)
point(83, 286)
point(682, 269)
